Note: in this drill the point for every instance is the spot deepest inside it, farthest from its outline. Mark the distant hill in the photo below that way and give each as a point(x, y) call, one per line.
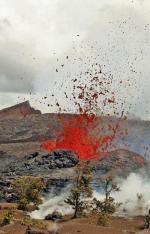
point(121, 162)
point(20, 110)
point(22, 129)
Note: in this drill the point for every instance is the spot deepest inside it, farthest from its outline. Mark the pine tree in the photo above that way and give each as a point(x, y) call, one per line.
point(106, 207)
point(81, 189)
point(28, 190)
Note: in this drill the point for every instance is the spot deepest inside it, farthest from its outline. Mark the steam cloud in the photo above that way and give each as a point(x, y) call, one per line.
point(53, 202)
point(134, 185)
point(130, 188)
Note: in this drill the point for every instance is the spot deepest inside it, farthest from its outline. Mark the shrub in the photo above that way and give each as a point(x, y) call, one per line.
point(106, 207)
point(102, 220)
point(8, 216)
point(28, 189)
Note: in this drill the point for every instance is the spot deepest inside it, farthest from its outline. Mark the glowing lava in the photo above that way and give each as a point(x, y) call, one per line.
point(79, 133)
point(78, 136)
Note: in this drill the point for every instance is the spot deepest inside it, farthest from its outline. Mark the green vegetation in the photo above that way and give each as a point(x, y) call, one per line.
point(7, 217)
point(81, 189)
point(33, 223)
point(28, 189)
point(106, 207)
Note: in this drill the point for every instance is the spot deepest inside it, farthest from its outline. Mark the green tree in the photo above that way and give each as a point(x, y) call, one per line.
point(81, 189)
point(106, 207)
point(28, 189)
point(8, 216)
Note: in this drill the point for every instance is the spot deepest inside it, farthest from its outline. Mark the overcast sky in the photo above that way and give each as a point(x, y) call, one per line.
point(36, 36)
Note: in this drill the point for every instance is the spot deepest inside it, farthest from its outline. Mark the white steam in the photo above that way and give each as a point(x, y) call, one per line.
point(133, 195)
point(51, 203)
point(134, 186)
point(53, 228)
point(131, 187)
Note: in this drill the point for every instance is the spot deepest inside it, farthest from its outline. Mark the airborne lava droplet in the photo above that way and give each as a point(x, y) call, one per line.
point(79, 136)
point(80, 132)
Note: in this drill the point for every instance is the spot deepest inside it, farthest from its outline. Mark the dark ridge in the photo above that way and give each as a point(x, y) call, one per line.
point(19, 110)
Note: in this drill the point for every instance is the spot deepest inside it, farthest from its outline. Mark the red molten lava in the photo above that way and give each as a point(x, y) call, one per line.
point(78, 135)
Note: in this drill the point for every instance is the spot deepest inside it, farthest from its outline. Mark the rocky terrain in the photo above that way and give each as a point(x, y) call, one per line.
point(121, 162)
point(54, 168)
point(21, 136)
point(42, 163)
point(39, 163)
point(57, 168)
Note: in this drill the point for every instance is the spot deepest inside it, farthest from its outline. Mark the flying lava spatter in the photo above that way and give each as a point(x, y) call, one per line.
point(79, 132)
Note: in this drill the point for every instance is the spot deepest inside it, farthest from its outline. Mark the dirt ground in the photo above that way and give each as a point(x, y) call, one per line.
point(117, 225)
point(83, 226)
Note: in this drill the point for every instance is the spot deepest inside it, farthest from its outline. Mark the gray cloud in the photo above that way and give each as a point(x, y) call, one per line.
point(34, 33)
point(16, 74)
point(4, 23)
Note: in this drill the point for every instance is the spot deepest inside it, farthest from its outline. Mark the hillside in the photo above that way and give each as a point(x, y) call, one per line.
point(121, 162)
point(20, 110)
point(24, 134)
